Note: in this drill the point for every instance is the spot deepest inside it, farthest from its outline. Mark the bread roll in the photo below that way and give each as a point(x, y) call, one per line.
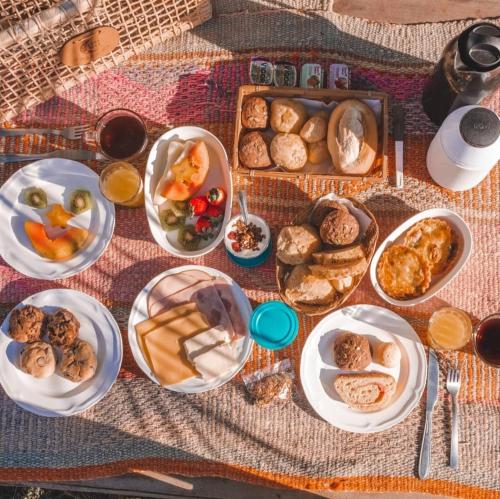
point(254, 150)
point(318, 152)
point(287, 115)
point(254, 113)
point(352, 137)
point(352, 351)
point(314, 128)
point(296, 243)
point(288, 151)
point(387, 354)
point(303, 287)
point(339, 228)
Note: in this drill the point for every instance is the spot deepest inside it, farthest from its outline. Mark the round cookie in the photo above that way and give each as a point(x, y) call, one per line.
point(26, 323)
point(62, 328)
point(254, 151)
point(339, 228)
point(78, 362)
point(38, 359)
point(287, 116)
point(254, 113)
point(289, 151)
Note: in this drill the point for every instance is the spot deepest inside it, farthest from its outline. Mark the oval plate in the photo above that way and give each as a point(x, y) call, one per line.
point(318, 370)
point(55, 395)
point(460, 228)
point(139, 313)
point(219, 175)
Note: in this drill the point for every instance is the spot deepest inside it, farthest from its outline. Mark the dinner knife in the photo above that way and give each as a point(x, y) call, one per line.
point(398, 133)
point(76, 154)
point(432, 393)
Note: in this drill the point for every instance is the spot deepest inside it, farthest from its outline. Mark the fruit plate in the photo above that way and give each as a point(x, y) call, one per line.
point(55, 395)
point(58, 178)
point(463, 238)
point(318, 369)
point(219, 175)
point(140, 312)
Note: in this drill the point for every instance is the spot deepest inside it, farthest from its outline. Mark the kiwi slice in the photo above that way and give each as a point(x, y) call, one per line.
point(169, 220)
point(80, 201)
point(180, 207)
point(188, 238)
point(35, 197)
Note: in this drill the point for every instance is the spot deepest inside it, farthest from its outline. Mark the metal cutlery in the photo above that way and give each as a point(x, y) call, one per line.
point(71, 132)
point(76, 154)
point(242, 201)
point(399, 132)
point(453, 387)
point(432, 394)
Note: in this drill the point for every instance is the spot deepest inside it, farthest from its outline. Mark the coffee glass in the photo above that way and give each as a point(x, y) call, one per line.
point(486, 339)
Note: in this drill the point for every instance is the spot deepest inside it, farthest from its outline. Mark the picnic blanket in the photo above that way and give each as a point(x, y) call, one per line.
point(194, 79)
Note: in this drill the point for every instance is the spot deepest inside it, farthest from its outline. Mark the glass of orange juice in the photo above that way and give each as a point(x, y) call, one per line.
point(121, 183)
point(449, 329)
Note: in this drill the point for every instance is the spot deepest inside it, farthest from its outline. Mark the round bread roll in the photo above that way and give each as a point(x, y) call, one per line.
point(315, 128)
point(318, 152)
point(25, 324)
point(254, 150)
point(351, 351)
point(352, 137)
point(387, 354)
point(38, 359)
point(288, 151)
point(78, 362)
point(339, 228)
point(303, 287)
point(62, 328)
point(297, 243)
point(322, 209)
point(254, 113)
point(287, 116)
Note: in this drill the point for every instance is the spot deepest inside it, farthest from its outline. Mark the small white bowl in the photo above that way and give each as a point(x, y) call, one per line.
point(461, 230)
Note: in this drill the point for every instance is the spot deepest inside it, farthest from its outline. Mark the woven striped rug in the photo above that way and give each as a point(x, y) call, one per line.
point(194, 80)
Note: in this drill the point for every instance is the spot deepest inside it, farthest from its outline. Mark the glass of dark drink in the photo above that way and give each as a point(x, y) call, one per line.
point(487, 340)
point(121, 135)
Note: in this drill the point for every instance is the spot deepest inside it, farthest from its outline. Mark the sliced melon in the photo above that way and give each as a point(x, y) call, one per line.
point(58, 216)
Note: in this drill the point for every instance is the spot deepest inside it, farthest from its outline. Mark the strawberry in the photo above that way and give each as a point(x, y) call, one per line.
point(214, 213)
point(232, 235)
point(216, 196)
point(204, 227)
point(198, 206)
point(236, 247)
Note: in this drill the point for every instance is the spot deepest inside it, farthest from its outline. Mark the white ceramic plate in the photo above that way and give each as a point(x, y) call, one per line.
point(219, 175)
point(140, 312)
point(55, 395)
point(462, 231)
point(58, 178)
point(318, 369)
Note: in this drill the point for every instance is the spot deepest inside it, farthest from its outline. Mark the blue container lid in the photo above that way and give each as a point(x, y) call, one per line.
point(274, 325)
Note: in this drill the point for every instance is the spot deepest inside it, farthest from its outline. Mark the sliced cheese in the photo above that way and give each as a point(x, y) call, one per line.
point(174, 313)
point(199, 344)
point(217, 361)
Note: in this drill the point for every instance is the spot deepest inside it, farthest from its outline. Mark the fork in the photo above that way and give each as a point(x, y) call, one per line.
point(453, 387)
point(71, 132)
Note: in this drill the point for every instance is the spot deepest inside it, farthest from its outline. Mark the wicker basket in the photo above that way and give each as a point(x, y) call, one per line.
point(32, 33)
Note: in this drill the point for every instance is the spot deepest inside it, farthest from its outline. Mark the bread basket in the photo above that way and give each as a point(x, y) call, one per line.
point(368, 240)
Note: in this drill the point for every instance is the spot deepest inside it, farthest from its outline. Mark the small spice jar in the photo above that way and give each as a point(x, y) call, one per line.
point(248, 245)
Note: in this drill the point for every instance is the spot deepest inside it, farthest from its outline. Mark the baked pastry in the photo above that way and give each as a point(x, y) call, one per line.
point(352, 137)
point(288, 151)
point(339, 228)
point(402, 272)
point(303, 287)
point(351, 351)
point(366, 392)
point(78, 362)
point(287, 115)
point(38, 359)
point(342, 284)
point(318, 152)
point(340, 270)
point(340, 255)
point(254, 150)
point(296, 243)
point(431, 238)
point(62, 328)
point(254, 113)
point(26, 323)
point(387, 354)
point(314, 128)
point(322, 209)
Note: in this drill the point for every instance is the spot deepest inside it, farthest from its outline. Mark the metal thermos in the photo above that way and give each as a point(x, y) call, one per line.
point(467, 72)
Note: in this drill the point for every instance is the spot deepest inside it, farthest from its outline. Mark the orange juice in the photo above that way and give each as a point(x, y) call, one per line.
point(449, 329)
point(121, 183)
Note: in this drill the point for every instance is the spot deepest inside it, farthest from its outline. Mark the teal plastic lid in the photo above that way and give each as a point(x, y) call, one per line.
point(274, 325)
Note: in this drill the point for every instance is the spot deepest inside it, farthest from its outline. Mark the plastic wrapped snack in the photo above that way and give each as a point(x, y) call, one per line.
point(270, 385)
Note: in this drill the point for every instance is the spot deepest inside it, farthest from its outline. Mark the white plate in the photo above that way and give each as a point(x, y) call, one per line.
point(58, 178)
point(140, 312)
point(461, 230)
point(55, 395)
point(318, 369)
point(219, 174)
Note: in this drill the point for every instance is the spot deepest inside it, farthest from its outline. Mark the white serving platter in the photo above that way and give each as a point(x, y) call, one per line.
point(219, 175)
point(55, 395)
point(464, 240)
point(58, 178)
point(139, 313)
point(318, 369)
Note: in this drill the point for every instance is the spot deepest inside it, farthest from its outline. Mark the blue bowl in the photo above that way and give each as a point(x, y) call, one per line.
point(251, 262)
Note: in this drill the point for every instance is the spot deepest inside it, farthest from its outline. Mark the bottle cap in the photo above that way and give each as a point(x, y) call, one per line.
point(480, 127)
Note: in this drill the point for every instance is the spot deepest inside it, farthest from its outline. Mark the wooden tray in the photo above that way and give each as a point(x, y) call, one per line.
point(379, 171)
point(369, 241)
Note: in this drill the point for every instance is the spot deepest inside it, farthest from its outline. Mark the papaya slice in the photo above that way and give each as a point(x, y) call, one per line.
point(188, 175)
point(60, 248)
point(58, 216)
